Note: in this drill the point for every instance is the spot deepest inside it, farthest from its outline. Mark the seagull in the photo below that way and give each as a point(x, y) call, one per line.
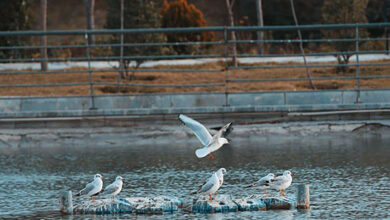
point(114, 188)
point(220, 174)
point(93, 188)
point(281, 183)
point(210, 143)
point(211, 186)
point(263, 182)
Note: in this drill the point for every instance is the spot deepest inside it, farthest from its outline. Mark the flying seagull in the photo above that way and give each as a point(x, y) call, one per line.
point(212, 185)
point(210, 143)
point(281, 183)
point(114, 188)
point(263, 182)
point(93, 188)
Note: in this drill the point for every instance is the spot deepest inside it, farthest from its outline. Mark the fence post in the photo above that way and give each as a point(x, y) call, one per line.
point(90, 73)
point(226, 44)
point(357, 63)
point(303, 196)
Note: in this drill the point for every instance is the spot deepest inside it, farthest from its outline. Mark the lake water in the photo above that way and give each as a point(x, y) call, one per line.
point(349, 175)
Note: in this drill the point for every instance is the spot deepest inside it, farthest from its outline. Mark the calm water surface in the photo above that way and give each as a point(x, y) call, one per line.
point(349, 175)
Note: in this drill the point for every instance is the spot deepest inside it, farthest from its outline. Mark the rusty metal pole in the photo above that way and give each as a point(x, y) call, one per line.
point(92, 93)
point(357, 63)
point(303, 196)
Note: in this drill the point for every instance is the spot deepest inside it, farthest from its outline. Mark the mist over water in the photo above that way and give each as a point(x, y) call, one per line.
point(349, 175)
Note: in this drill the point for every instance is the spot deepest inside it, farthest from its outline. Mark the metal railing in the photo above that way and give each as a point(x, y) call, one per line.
point(222, 54)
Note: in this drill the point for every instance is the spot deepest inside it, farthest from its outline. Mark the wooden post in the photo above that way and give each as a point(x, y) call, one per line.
point(66, 203)
point(303, 196)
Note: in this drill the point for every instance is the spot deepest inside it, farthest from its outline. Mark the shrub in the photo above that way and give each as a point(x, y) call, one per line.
point(179, 13)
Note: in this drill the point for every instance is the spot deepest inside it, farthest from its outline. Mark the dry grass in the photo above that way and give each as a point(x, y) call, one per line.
point(191, 78)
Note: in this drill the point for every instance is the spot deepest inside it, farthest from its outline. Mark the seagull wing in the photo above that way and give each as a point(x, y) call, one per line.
point(206, 187)
point(264, 181)
point(225, 130)
point(251, 185)
point(199, 130)
point(111, 189)
point(279, 180)
point(88, 188)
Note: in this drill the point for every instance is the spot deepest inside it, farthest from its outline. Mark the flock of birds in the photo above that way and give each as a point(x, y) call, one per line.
point(210, 144)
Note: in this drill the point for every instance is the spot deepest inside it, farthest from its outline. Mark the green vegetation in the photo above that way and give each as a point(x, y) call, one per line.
point(14, 16)
point(344, 12)
point(137, 14)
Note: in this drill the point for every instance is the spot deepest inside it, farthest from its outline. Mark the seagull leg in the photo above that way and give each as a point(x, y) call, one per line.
point(210, 197)
point(211, 156)
point(93, 199)
point(283, 194)
point(265, 190)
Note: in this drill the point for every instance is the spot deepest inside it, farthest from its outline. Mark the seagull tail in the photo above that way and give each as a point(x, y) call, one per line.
point(192, 193)
point(78, 194)
point(250, 186)
point(202, 152)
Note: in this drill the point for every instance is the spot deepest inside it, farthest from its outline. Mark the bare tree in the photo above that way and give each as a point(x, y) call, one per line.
point(260, 22)
point(90, 18)
point(44, 37)
point(301, 45)
point(229, 6)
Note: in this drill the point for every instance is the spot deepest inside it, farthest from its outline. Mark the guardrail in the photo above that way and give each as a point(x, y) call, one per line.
point(224, 54)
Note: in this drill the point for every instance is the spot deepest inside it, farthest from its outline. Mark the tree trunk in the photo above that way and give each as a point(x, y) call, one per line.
point(260, 22)
point(44, 37)
point(301, 46)
point(121, 64)
point(229, 6)
point(90, 18)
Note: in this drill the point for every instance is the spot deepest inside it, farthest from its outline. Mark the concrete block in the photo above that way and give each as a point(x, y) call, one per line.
point(9, 105)
point(275, 202)
point(138, 205)
point(248, 204)
point(221, 203)
point(305, 98)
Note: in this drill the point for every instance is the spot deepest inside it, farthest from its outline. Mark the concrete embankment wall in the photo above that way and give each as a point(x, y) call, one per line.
point(289, 101)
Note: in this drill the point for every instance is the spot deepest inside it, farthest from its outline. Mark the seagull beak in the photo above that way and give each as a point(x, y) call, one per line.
point(102, 177)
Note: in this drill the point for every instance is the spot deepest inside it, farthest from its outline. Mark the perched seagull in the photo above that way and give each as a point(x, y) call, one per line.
point(93, 188)
point(281, 183)
point(263, 182)
point(220, 174)
point(211, 186)
point(114, 188)
point(210, 143)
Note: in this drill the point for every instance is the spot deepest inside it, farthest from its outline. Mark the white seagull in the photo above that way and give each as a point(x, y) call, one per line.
point(93, 188)
point(263, 182)
point(210, 143)
point(220, 174)
point(212, 185)
point(281, 183)
point(114, 188)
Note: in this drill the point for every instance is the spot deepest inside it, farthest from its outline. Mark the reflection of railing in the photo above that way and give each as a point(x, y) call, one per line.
point(224, 42)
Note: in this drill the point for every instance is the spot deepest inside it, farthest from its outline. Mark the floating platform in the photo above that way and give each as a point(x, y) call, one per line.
point(170, 204)
point(225, 203)
point(137, 205)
